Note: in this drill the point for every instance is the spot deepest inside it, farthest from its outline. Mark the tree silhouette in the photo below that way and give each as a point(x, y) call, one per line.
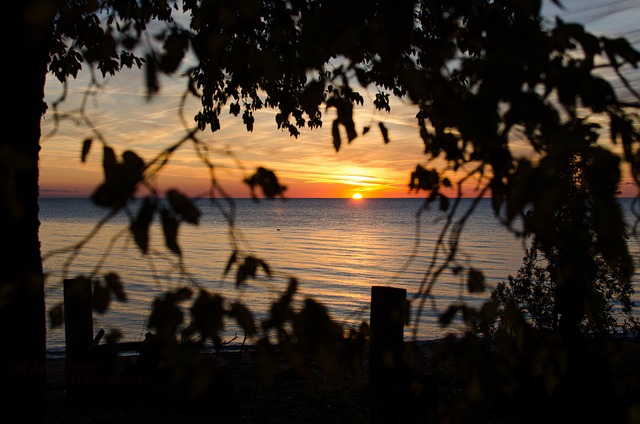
point(608, 308)
point(487, 76)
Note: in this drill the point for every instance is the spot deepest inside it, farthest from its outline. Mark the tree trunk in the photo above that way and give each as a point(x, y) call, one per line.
point(22, 311)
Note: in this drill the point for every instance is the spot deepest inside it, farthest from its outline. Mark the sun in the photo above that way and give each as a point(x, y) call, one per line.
point(356, 196)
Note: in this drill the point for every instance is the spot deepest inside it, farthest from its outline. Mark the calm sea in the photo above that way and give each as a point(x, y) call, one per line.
point(336, 248)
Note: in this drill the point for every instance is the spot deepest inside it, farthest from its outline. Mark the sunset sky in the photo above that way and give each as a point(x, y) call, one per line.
point(308, 166)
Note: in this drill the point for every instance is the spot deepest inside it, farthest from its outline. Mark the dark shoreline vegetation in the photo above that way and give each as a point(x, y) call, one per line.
point(438, 389)
point(237, 393)
point(236, 396)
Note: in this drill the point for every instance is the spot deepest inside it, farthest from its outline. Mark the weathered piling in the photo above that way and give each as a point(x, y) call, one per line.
point(388, 371)
point(78, 318)
point(78, 328)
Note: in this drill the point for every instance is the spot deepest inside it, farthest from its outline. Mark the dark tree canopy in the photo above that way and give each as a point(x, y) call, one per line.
point(487, 76)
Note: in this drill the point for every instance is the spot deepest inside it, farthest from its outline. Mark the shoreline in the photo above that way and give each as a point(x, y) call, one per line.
point(237, 394)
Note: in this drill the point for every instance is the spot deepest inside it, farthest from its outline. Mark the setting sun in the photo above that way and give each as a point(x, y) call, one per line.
point(357, 196)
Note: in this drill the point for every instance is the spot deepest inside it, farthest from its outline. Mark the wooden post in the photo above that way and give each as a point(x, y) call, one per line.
point(388, 375)
point(78, 326)
point(78, 317)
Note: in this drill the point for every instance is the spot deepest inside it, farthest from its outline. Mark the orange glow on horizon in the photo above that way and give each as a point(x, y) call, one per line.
point(309, 169)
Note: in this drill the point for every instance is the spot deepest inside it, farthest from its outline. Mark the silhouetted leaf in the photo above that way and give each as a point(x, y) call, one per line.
point(109, 195)
point(208, 312)
point(248, 120)
point(101, 297)
point(292, 287)
point(114, 283)
point(183, 206)
point(140, 225)
point(620, 47)
point(385, 132)
point(424, 179)
point(382, 102)
point(445, 319)
point(498, 195)
point(351, 130)
point(133, 166)
point(170, 230)
point(335, 132)
point(293, 131)
point(365, 130)
point(230, 262)
point(268, 181)
point(109, 163)
point(56, 315)
point(247, 269)
point(165, 316)
point(315, 331)
point(345, 117)
point(86, 147)
point(265, 267)
point(121, 179)
point(355, 97)
point(475, 281)
point(182, 294)
point(175, 46)
point(599, 95)
point(444, 202)
point(312, 96)
point(244, 317)
point(280, 311)
point(151, 75)
point(488, 312)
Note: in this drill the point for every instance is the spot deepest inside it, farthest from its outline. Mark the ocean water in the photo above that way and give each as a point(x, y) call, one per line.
point(336, 248)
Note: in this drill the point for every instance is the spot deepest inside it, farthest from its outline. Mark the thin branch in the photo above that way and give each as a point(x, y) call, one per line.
point(433, 272)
